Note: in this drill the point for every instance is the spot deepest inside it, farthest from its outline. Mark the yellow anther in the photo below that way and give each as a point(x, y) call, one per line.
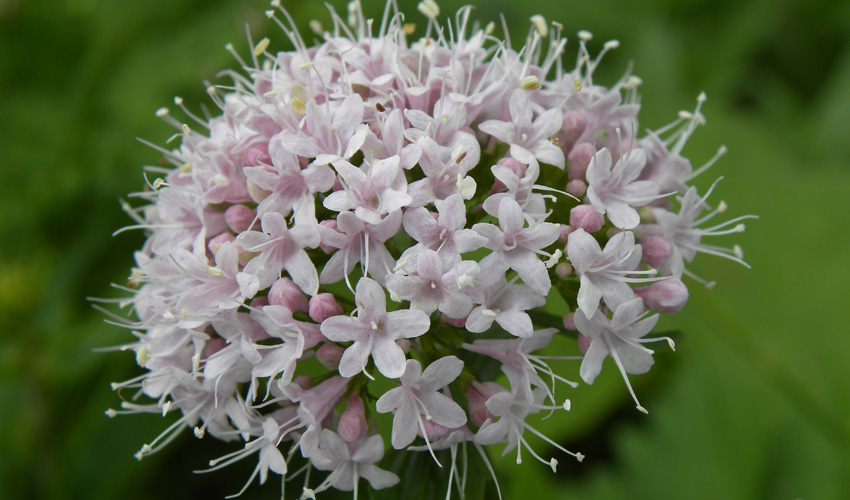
point(540, 25)
point(530, 82)
point(261, 46)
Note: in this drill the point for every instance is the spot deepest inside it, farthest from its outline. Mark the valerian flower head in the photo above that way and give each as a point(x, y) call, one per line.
point(430, 169)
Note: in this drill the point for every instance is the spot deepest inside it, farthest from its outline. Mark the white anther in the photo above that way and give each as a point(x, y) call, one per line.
point(316, 27)
point(270, 14)
point(184, 313)
point(157, 184)
point(167, 315)
point(671, 344)
point(722, 207)
point(374, 325)
point(701, 97)
point(178, 100)
point(429, 9)
point(199, 432)
point(186, 129)
point(211, 90)
point(686, 115)
point(142, 356)
point(635, 81)
point(568, 404)
point(577, 84)
point(215, 271)
point(738, 251)
point(489, 313)
point(161, 112)
point(465, 280)
point(306, 65)
point(491, 26)
point(579, 457)
point(553, 260)
point(710, 285)
point(611, 44)
point(553, 464)
point(740, 228)
point(166, 407)
point(433, 286)
point(540, 25)
point(642, 410)
point(111, 413)
point(585, 35)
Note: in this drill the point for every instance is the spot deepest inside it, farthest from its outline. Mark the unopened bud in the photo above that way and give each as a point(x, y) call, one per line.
point(565, 233)
point(584, 343)
point(329, 355)
point(577, 188)
point(215, 243)
point(668, 296)
point(239, 218)
point(323, 306)
point(478, 411)
point(352, 423)
point(569, 322)
point(656, 250)
point(286, 293)
point(573, 127)
point(563, 270)
point(578, 160)
point(586, 217)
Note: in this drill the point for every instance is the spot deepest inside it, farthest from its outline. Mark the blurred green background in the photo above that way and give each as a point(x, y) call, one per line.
point(755, 402)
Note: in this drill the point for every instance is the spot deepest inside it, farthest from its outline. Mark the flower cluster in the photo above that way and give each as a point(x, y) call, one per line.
point(376, 207)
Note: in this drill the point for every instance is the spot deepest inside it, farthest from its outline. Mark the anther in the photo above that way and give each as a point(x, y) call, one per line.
point(539, 23)
point(161, 112)
point(585, 35)
point(215, 271)
point(199, 432)
point(261, 46)
point(530, 82)
point(380, 107)
point(490, 28)
point(186, 129)
point(270, 14)
point(460, 157)
point(722, 207)
point(577, 84)
point(111, 413)
point(611, 44)
point(429, 9)
point(642, 410)
point(737, 250)
point(408, 28)
point(553, 463)
point(316, 27)
point(568, 404)
point(166, 407)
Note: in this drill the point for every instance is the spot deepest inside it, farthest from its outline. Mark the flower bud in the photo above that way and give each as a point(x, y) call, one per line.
point(577, 188)
point(304, 381)
point(573, 127)
point(404, 344)
point(286, 293)
point(330, 224)
point(586, 217)
point(239, 218)
point(516, 167)
point(569, 322)
point(329, 355)
point(459, 323)
point(563, 270)
point(478, 412)
point(584, 343)
point(668, 296)
point(434, 430)
point(656, 250)
point(578, 160)
point(565, 233)
point(323, 306)
point(218, 241)
point(352, 423)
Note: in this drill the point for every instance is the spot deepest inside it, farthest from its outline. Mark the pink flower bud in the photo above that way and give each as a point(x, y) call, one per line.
point(218, 241)
point(434, 430)
point(259, 302)
point(569, 323)
point(578, 160)
point(286, 293)
point(574, 125)
point(331, 224)
point(304, 381)
point(323, 306)
point(563, 270)
point(577, 188)
point(583, 343)
point(460, 323)
point(586, 217)
point(239, 218)
point(478, 411)
point(656, 250)
point(404, 344)
point(668, 296)
point(257, 154)
point(352, 423)
point(565, 233)
point(516, 167)
point(329, 356)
